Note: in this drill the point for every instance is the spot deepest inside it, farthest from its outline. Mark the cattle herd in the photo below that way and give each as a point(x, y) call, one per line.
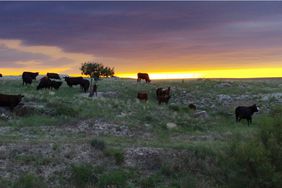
point(53, 81)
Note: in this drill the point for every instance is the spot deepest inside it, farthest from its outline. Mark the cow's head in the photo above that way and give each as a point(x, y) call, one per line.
point(255, 108)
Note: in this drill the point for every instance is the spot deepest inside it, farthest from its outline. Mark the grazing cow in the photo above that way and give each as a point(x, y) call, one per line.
point(47, 83)
point(163, 98)
point(1, 75)
point(142, 96)
point(53, 76)
point(84, 84)
point(10, 100)
point(28, 77)
point(56, 84)
point(144, 76)
point(245, 112)
point(161, 91)
point(73, 81)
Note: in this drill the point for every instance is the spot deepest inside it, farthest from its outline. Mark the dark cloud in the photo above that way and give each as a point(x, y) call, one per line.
point(144, 30)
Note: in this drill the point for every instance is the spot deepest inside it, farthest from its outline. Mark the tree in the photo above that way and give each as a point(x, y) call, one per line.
point(96, 70)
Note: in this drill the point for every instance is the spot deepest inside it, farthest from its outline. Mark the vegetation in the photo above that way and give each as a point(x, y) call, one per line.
point(114, 140)
point(96, 70)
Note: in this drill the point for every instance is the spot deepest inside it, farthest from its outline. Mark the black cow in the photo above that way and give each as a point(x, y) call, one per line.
point(1, 75)
point(84, 84)
point(53, 76)
point(73, 81)
point(144, 76)
point(245, 112)
point(10, 100)
point(161, 91)
point(47, 83)
point(28, 77)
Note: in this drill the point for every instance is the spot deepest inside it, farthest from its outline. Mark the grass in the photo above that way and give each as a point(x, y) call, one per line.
point(64, 110)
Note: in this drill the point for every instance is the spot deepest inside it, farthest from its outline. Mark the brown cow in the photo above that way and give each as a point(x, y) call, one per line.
point(1, 75)
point(163, 98)
point(144, 76)
point(10, 100)
point(142, 96)
point(163, 95)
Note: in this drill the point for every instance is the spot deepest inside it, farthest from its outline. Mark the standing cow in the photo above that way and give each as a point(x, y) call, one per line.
point(84, 85)
point(245, 112)
point(10, 101)
point(28, 77)
point(73, 81)
point(144, 76)
point(163, 95)
point(53, 76)
point(46, 83)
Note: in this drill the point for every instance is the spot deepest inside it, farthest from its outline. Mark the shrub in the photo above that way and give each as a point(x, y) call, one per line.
point(255, 162)
point(29, 181)
point(116, 178)
point(98, 144)
point(83, 175)
point(117, 154)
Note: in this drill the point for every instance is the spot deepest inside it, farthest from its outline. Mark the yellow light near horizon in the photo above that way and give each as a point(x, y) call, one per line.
point(229, 73)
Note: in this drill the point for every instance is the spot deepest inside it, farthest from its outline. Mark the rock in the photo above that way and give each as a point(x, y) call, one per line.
point(224, 99)
point(201, 114)
point(224, 84)
point(171, 125)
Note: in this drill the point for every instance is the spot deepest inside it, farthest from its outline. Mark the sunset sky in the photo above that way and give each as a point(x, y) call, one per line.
point(164, 39)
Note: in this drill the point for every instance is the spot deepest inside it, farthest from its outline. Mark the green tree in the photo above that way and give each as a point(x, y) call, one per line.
point(96, 70)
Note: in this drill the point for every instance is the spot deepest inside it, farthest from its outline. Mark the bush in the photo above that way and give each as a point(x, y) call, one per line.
point(83, 175)
point(29, 181)
point(116, 178)
point(98, 144)
point(117, 154)
point(255, 162)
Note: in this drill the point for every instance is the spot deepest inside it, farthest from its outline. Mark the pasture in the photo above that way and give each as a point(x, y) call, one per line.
point(64, 138)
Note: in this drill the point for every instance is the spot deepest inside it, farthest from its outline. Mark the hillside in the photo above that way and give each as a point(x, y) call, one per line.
point(66, 139)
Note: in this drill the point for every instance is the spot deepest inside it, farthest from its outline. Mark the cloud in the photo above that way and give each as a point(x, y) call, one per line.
point(140, 34)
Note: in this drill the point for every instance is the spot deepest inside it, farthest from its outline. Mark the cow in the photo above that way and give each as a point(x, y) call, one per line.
point(163, 98)
point(28, 77)
point(53, 76)
point(142, 96)
point(162, 91)
point(245, 112)
point(163, 95)
point(1, 75)
point(144, 76)
point(46, 83)
point(84, 85)
point(56, 84)
point(10, 101)
point(73, 81)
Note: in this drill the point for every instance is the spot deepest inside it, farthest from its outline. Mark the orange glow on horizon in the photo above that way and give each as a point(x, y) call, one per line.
point(223, 73)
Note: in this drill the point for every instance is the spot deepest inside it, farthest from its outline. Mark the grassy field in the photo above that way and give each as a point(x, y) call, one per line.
point(66, 139)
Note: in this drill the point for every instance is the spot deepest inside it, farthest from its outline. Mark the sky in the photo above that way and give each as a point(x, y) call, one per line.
point(164, 39)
